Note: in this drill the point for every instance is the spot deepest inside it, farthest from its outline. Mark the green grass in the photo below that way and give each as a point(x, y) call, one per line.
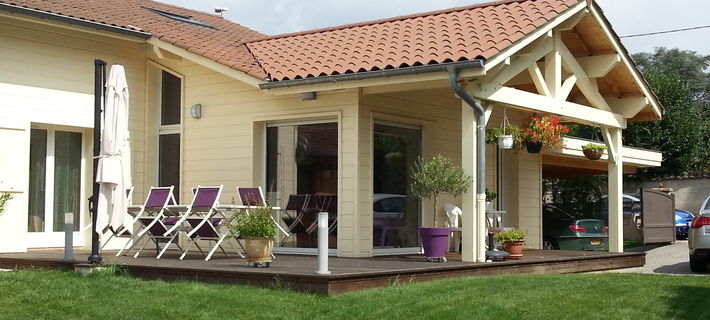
point(64, 295)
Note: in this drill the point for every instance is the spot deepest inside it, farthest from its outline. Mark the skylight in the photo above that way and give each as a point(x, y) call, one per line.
point(180, 18)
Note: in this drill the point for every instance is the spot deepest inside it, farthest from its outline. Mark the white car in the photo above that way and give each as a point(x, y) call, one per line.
point(699, 239)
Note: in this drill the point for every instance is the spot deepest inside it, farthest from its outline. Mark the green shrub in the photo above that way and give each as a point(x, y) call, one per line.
point(257, 223)
point(513, 235)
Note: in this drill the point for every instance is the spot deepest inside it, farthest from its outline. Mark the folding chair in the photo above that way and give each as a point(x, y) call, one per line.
point(156, 230)
point(209, 231)
point(155, 204)
point(203, 205)
point(254, 197)
point(323, 203)
point(297, 204)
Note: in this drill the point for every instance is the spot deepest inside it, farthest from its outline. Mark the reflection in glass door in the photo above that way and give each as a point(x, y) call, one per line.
point(54, 186)
point(396, 214)
point(302, 178)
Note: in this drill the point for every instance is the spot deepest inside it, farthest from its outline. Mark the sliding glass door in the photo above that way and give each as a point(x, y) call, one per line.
point(302, 177)
point(396, 214)
point(55, 186)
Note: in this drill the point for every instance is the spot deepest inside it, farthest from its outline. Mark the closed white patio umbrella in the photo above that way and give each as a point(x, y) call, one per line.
point(112, 203)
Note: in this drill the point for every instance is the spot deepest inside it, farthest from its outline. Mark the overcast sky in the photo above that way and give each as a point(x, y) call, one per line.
point(627, 16)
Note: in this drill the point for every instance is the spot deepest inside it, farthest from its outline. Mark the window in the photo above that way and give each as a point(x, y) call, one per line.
point(169, 132)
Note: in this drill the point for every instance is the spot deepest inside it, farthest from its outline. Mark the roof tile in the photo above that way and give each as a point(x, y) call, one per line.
point(458, 34)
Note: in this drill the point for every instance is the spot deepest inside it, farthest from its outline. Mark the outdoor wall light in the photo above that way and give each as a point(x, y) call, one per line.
point(196, 111)
point(308, 96)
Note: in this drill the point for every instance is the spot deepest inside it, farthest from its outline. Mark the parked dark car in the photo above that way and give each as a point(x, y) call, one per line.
point(683, 219)
point(561, 230)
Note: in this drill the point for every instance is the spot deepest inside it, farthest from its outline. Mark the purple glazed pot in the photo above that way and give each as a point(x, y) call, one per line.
point(435, 241)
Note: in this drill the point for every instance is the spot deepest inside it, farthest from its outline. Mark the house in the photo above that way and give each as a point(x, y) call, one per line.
point(342, 110)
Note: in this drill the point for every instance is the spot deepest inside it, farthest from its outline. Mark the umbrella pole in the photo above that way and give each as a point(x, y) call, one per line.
point(99, 80)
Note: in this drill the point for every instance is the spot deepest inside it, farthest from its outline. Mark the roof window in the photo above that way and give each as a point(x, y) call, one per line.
point(180, 18)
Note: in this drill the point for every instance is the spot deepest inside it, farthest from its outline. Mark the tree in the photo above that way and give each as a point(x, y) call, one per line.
point(680, 81)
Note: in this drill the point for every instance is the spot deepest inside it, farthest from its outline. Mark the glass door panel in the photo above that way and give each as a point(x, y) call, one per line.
point(38, 175)
point(302, 177)
point(67, 177)
point(396, 214)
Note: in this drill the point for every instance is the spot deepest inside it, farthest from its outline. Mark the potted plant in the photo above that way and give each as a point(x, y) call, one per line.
point(490, 196)
point(506, 138)
point(543, 133)
point(256, 231)
point(593, 151)
point(429, 179)
point(4, 198)
point(512, 242)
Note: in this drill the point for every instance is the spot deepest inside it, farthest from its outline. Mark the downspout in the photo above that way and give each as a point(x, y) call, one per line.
point(479, 232)
point(480, 128)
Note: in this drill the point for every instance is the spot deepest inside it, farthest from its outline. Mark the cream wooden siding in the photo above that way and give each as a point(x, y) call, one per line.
point(47, 77)
point(226, 145)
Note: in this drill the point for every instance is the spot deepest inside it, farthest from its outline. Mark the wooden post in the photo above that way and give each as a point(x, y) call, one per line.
point(468, 200)
point(616, 174)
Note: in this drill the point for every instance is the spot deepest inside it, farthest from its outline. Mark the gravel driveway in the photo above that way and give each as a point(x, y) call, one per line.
point(665, 259)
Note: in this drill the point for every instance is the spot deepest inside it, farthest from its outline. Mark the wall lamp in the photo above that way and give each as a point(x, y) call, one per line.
point(308, 96)
point(196, 111)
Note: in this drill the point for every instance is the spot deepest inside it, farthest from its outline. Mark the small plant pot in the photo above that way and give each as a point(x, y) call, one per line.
point(593, 154)
point(534, 147)
point(515, 249)
point(258, 250)
point(505, 142)
point(490, 206)
point(435, 242)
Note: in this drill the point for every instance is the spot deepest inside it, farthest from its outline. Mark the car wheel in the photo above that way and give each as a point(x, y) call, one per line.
point(697, 265)
point(548, 244)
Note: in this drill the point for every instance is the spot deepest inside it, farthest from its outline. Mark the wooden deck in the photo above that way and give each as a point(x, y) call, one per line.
point(347, 274)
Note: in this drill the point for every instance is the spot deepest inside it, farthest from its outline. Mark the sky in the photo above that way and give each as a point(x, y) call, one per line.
point(626, 16)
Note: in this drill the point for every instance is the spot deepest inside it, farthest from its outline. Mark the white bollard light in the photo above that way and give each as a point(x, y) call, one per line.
point(323, 243)
point(69, 236)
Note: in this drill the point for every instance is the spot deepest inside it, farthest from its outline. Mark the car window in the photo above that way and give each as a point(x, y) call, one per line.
point(390, 205)
point(707, 204)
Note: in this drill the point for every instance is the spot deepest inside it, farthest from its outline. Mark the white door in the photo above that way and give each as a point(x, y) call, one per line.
point(56, 185)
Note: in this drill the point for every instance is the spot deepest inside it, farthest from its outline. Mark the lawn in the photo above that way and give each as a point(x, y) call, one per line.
point(64, 295)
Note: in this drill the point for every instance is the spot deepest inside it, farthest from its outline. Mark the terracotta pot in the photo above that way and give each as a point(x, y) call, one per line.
point(258, 249)
point(534, 147)
point(515, 249)
point(593, 154)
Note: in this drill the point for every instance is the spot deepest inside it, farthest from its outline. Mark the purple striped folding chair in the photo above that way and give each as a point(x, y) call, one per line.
point(122, 231)
point(323, 203)
point(254, 197)
point(152, 210)
point(203, 206)
point(207, 231)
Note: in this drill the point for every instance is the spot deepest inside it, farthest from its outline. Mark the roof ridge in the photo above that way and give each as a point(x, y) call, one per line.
point(385, 20)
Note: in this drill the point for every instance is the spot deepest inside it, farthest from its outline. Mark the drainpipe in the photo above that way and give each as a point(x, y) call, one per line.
point(480, 154)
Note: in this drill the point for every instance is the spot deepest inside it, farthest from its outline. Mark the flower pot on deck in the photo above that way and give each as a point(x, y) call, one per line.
point(258, 250)
point(515, 249)
point(435, 242)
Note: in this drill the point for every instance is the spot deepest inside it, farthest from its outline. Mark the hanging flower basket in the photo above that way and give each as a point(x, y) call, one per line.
point(593, 151)
point(505, 141)
point(534, 147)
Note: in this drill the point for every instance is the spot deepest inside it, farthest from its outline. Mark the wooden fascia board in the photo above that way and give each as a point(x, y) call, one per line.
point(528, 100)
point(206, 62)
point(535, 35)
point(396, 81)
point(626, 59)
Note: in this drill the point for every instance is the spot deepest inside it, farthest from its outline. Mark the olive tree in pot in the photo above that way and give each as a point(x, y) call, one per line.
point(256, 232)
point(429, 179)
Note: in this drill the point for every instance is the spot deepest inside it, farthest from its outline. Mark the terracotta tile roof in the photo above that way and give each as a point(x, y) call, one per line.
point(223, 44)
point(458, 34)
